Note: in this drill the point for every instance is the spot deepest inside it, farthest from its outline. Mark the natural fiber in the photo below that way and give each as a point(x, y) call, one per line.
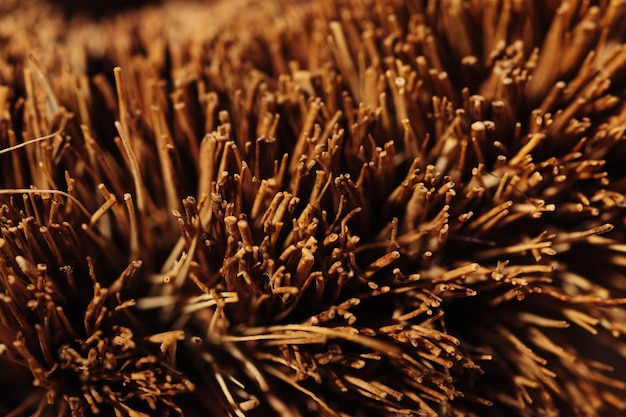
point(334, 207)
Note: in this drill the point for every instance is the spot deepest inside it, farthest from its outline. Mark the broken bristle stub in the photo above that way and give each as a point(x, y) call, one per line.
point(313, 208)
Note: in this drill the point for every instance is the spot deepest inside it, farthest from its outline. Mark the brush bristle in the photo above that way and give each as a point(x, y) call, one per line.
point(334, 207)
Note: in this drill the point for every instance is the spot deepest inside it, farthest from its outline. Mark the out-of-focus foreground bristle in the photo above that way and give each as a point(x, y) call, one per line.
point(301, 208)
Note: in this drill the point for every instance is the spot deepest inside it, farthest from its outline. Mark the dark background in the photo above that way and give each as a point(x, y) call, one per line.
point(99, 8)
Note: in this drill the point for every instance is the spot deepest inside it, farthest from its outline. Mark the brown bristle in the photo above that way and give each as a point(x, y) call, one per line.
point(330, 207)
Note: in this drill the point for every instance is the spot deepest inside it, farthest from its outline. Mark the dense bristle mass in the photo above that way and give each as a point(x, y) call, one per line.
point(326, 207)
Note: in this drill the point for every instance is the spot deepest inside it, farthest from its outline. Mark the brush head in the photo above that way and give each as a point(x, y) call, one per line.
point(314, 208)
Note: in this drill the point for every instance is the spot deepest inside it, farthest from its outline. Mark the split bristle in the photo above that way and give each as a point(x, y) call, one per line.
point(314, 208)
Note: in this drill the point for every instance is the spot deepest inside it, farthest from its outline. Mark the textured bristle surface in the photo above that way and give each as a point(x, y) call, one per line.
point(302, 208)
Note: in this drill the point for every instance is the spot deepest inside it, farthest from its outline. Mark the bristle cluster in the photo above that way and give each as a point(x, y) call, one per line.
point(60, 323)
point(341, 207)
